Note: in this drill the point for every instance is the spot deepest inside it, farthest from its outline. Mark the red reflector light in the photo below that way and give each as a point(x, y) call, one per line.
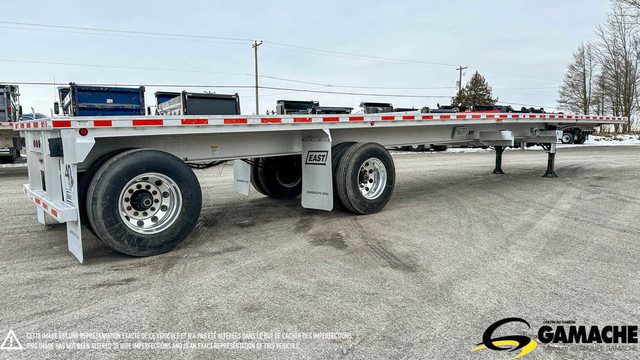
point(83, 132)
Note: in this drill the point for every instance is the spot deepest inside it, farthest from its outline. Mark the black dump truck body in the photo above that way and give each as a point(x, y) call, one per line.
point(188, 103)
point(284, 107)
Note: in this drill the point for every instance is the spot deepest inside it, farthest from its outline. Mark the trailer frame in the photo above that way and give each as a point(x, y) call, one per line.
point(60, 148)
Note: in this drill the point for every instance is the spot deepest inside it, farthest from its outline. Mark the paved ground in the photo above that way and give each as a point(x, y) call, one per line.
point(455, 250)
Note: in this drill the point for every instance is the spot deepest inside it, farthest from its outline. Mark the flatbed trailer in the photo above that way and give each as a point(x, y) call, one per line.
point(128, 180)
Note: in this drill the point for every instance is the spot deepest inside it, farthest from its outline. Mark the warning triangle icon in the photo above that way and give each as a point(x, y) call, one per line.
point(11, 342)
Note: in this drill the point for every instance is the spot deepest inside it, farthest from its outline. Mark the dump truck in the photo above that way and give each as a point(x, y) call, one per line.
point(10, 112)
point(284, 107)
point(191, 103)
point(577, 135)
point(83, 100)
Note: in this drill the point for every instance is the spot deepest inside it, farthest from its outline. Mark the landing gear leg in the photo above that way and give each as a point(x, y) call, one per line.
point(551, 162)
point(499, 151)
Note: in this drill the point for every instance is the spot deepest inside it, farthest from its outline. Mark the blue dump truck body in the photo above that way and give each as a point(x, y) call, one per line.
point(78, 100)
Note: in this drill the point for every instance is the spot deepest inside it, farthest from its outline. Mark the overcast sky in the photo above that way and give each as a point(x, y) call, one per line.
point(521, 47)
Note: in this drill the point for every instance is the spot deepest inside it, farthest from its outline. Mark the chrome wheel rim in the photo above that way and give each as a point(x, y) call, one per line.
point(150, 203)
point(372, 178)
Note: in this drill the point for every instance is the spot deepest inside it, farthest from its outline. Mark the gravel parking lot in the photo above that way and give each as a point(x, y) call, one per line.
point(455, 250)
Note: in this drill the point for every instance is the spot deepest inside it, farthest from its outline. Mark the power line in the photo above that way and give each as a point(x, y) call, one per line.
point(358, 86)
point(273, 44)
point(125, 31)
point(229, 42)
point(121, 67)
point(370, 57)
point(35, 83)
point(247, 74)
point(222, 73)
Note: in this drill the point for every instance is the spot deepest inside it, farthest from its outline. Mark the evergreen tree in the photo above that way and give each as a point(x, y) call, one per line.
point(476, 93)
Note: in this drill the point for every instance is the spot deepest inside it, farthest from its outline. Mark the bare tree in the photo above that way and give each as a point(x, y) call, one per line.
point(576, 92)
point(630, 3)
point(618, 48)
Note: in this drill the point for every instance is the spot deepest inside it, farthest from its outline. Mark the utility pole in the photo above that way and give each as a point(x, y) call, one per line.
point(255, 48)
point(460, 81)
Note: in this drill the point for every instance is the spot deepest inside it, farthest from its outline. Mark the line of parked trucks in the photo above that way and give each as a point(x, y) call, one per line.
point(80, 100)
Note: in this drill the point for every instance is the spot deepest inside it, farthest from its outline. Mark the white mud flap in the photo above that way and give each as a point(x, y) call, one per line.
point(69, 178)
point(317, 179)
point(241, 177)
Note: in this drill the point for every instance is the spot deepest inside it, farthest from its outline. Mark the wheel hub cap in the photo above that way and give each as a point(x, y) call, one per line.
point(372, 178)
point(150, 203)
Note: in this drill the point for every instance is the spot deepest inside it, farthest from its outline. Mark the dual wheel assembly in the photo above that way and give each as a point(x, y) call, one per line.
point(145, 202)
point(363, 176)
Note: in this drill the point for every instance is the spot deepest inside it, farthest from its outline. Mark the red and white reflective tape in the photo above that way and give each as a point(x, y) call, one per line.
point(36, 200)
point(267, 120)
point(61, 212)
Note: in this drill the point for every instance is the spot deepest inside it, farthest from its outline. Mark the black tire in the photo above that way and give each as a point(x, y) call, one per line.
point(417, 147)
point(83, 186)
point(337, 152)
point(580, 139)
point(439, 147)
point(255, 179)
point(281, 177)
point(348, 176)
point(567, 138)
point(111, 180)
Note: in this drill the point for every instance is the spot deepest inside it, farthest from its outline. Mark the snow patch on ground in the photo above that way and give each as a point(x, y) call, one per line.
point(613, 140)
point(13, 165)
